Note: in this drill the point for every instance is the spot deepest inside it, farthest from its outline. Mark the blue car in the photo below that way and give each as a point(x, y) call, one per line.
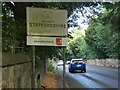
point(77, 64)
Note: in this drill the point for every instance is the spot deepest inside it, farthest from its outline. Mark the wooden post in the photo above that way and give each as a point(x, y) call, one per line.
point(64, 81)
point(33, 79)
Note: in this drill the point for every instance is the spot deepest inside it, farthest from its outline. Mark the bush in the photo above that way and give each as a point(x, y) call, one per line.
point(50, 67)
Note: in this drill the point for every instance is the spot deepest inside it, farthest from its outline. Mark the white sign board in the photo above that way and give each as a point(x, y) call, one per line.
point(46, 41)
point(46, 22)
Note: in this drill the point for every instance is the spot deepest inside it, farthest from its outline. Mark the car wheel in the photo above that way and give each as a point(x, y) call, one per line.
point(71, 71)
point(81, 70)
point(85, 70)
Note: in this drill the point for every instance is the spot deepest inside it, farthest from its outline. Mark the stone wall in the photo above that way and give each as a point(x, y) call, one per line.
point(104, 62)
point(16, 71)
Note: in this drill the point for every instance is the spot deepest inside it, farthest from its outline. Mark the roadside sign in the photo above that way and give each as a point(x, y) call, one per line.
point(43, 25)
point(46, 41)
point(46, 22)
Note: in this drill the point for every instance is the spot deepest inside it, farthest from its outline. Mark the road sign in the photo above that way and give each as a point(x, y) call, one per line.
point(41, 25)
point(46, 22)
point(46, 41)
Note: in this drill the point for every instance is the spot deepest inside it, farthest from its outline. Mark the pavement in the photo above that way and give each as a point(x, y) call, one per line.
point(59, 79)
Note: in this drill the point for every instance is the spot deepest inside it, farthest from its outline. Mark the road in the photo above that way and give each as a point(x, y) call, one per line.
point(95, 77)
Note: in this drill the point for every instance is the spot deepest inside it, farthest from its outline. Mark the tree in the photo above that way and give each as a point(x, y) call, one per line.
point(103, 35)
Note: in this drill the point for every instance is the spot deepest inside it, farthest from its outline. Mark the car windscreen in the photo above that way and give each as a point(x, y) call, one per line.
point(77, 60)
point(60, 61)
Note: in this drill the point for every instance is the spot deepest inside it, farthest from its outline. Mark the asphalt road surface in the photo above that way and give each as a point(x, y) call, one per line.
point(95, 77)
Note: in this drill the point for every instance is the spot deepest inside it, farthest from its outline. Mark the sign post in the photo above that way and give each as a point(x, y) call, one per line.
point(33, 74)
point(64, 74)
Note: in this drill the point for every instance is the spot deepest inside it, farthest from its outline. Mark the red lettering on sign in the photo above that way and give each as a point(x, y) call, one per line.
point(59, 41)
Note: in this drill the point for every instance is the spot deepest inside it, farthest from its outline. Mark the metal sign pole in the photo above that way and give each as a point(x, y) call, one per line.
point(63, 68)
point(33, 79)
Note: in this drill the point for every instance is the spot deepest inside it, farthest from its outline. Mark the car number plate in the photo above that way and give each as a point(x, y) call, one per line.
point(78, 65)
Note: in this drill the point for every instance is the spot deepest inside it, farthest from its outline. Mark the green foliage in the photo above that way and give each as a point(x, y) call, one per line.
point(13, 32)
point(95, 39)
point(51, 68)
point(102, 37)
point(77, 47)
point(37, 63)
